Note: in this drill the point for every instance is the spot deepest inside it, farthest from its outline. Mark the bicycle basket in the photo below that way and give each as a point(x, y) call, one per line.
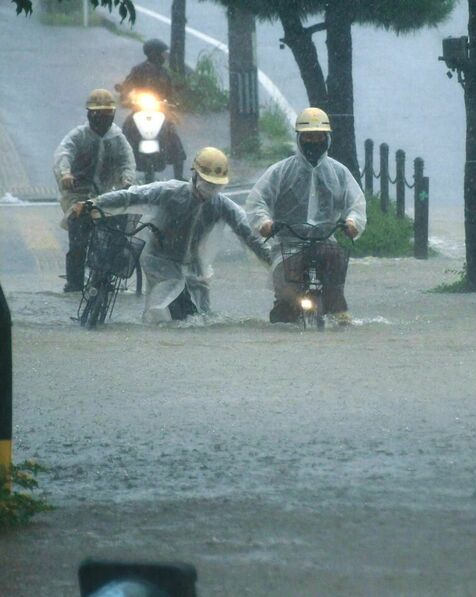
point(112, 252)
point(294, 262)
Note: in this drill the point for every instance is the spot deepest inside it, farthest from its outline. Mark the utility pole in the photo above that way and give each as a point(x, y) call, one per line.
point(470, 167)
point(459, 54)
point(244, 104)
point(177, 37)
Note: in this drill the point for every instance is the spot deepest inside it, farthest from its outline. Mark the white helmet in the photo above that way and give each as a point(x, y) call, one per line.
point(313, 119)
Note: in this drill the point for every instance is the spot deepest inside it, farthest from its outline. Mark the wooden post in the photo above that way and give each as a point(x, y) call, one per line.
point(384, 198)
point(369, 167)
point(5, 383)
point(244, 105)
point(400, 182)
point(422, 190)
point(177, 37)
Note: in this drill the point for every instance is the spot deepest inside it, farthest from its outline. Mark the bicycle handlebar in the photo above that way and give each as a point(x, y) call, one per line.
point(90, 206)
point(278, 226)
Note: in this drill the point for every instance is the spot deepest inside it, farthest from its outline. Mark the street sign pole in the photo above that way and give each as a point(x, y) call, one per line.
point(5, 383)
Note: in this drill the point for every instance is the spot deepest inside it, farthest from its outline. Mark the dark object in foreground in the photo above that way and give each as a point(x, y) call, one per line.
point(121, 579)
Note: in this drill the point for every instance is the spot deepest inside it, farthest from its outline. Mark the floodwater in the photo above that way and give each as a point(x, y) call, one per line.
point(278, 460)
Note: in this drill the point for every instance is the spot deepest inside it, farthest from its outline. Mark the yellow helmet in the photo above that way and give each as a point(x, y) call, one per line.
point(313, 119)
point(100, 99)
point(212, 165)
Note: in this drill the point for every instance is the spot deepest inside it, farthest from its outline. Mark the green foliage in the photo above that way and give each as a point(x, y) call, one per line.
point(202, 90)
point(461, 284)
point(18, 507)
point(274, 124)
point(385, 234)
point(124, 7)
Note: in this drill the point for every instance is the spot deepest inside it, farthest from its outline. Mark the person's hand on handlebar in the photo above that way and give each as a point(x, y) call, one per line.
point(266, 228)
point(79, 208)
point(67, 182)
point(350, 229)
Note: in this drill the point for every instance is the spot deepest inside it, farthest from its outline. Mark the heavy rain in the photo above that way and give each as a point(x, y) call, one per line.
point(301, 457)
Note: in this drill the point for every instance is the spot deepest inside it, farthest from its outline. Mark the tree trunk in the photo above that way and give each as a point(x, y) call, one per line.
point(470, 169)
point(244, 105)
point(340, 85)
point(299, 40)
point(177, 37)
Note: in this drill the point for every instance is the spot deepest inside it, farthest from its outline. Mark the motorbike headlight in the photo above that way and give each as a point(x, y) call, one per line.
point(147, 102)
point(307, 304)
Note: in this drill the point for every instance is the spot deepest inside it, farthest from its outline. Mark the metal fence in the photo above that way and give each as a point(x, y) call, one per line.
point(420, 187)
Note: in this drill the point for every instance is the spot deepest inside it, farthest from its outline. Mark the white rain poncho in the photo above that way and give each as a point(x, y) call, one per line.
point(295, 192)
point(101, 163)
point(184, 256)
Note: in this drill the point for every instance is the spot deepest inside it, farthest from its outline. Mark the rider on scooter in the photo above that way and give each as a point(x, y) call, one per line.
point(152, 76)
point(309, 188)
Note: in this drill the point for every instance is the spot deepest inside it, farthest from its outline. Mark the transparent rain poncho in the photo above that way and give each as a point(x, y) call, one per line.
point(189, 229)
point(295, 192)
point(96, 162)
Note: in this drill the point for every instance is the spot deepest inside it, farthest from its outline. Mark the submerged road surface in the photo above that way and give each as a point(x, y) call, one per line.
point(280, 462)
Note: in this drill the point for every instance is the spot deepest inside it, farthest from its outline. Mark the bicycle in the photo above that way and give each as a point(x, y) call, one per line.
point(301, 265)
point(89, 193)
point(112, 257)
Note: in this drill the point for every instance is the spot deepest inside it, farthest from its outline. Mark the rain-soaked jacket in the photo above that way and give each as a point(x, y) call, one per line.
point(187, 227)
point(295, 192)
point(96, 162)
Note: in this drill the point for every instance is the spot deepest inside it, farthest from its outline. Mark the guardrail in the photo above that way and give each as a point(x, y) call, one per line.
point(420, 186)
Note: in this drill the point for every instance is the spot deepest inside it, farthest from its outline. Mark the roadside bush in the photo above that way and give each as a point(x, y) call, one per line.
point(201, 91)
point(385, 234)
point(18, 507)
point(461, 284)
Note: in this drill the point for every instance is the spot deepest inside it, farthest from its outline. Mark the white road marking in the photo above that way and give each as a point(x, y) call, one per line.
point(265, 81)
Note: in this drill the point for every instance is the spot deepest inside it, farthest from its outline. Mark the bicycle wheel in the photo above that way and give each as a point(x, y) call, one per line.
point(314, 318)
point(96, 306)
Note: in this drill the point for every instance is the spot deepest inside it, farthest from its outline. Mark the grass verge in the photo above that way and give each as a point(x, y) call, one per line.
point(385, 234)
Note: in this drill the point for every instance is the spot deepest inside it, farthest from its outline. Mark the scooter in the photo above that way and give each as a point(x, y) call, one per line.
point(142, 129)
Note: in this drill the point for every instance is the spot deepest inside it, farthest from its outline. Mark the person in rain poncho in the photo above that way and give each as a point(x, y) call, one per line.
point(309, 188)
point(92, 158)
point(177, 266)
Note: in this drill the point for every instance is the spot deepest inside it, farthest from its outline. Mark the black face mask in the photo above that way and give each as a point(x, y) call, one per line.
point(313, 151)
point(100, 121)
point(158, 59)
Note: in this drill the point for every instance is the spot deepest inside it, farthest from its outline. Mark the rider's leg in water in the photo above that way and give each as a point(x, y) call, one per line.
point(332, 271)
point(182, 306)
point(285, 309)
point(78, 233)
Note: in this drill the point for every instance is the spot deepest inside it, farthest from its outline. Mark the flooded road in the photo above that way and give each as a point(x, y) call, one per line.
point(279, 461)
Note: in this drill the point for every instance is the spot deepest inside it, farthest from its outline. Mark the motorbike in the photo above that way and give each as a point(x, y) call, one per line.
point(301, 264)
point(145, 129)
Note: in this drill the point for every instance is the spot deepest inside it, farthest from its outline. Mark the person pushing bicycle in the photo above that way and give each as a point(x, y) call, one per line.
point(178, 263)
point(309, 188)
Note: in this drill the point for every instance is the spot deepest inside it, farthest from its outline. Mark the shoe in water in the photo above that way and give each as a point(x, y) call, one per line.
point(70, 288)
point(343, 318)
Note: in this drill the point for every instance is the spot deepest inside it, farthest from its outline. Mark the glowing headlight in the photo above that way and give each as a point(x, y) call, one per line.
point(307, 304)
point(147, 102)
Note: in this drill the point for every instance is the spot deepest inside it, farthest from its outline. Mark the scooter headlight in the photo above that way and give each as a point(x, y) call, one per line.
point(307, 304)
point(147, 102)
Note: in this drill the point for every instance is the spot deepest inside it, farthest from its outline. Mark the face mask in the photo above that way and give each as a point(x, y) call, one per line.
point(207, 190)
point(157, 58)
point(100, 121)
point(313, 151)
